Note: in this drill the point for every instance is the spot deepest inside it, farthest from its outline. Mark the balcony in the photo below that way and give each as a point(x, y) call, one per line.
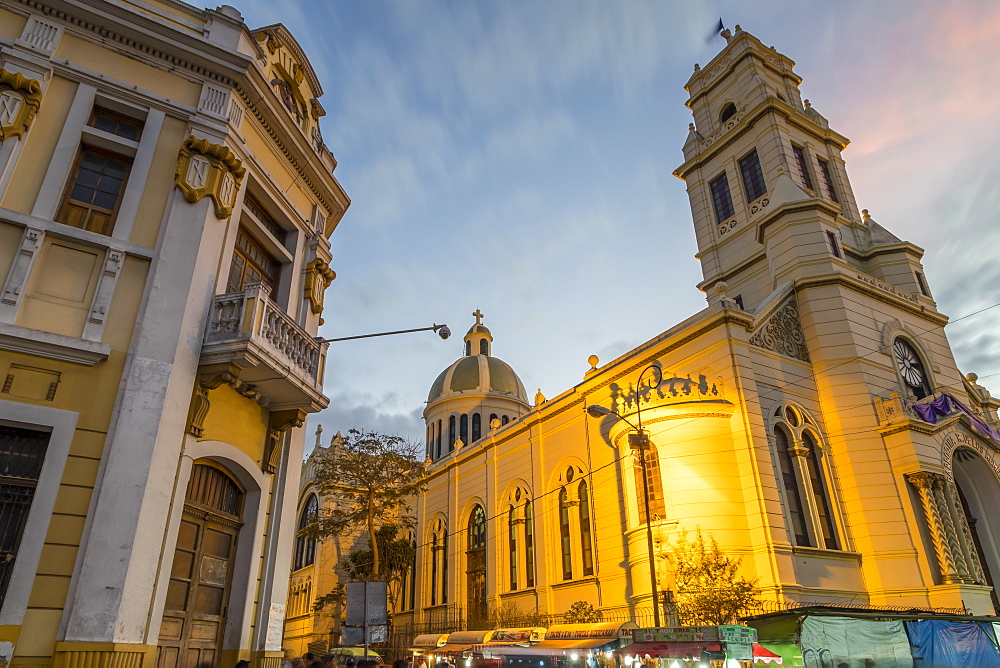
point(277, 362)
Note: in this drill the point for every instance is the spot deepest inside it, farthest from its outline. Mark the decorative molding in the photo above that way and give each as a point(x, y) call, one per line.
point(20, 270)
point(41, 35)
point(85, 654)
point(214, 100)
point(52, 346)
point(206, 169)
point(318, 279)
point(20, 98)
point(281, 421)
point(782, 333)
point(107, 282)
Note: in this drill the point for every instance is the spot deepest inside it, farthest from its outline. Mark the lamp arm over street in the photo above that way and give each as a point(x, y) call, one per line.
point(442, 330)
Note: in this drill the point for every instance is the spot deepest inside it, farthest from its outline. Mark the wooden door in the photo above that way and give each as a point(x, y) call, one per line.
point(194, 614)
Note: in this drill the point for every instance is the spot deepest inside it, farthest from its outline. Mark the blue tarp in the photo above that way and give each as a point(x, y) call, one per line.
point(936, 643)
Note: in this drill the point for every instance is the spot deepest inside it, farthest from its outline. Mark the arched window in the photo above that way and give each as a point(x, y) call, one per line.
point(493, 416)
point(484, 347)
point(793, 498)
point(476, 567)
point(654, 484)
point(439, 563)
point(468, 348)
point(305, 545)
point(564, 535)
point(452, 435)
point(477, 427)
point(412, 575)
point(529, 546)
point(586, 545)
point(911, 369)
point(504, 420)
point(438, 444)
point(727, 112)
point(463, 430)
point(805, 479)
point(819, 490)
point(512, 547)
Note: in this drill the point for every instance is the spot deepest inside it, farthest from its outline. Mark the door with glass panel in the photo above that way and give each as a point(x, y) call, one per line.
point(194, 614)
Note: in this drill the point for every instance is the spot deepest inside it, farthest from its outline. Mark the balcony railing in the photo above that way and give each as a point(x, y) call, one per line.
point(280, 359)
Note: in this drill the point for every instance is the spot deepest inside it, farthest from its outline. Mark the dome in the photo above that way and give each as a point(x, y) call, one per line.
point(477, 373)
point(477, 370)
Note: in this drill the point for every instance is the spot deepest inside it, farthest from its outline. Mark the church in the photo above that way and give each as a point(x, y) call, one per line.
point(811, 419)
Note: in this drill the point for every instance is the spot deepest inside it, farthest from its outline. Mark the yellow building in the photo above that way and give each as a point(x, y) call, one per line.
point(166, 203)
point(811, 419)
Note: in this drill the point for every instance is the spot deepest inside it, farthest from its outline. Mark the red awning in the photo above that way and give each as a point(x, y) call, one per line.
point(669, 650)
point(761, 653)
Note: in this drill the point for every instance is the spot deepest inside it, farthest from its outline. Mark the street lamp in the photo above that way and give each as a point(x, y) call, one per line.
point(442, 331)
point(639, 441)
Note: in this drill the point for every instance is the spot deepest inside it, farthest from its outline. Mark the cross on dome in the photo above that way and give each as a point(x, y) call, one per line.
point(479, 316)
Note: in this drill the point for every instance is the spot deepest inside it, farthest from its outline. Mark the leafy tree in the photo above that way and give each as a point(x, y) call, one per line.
point(371, 477)
point(397, 553)
point(709, 590)
point(581, 612)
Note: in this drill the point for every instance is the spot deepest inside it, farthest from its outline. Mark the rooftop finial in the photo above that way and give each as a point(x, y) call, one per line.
point(479, 316)
point(319, 435)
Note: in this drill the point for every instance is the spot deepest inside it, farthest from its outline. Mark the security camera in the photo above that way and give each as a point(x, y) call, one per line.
point(444, 332)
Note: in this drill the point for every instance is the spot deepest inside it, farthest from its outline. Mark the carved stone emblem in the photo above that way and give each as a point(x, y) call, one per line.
point(318, 279)
point(205, 169)
point(19, 101)
point(782, 333)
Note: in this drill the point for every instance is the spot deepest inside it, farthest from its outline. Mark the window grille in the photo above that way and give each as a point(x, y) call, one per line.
point(22, 453)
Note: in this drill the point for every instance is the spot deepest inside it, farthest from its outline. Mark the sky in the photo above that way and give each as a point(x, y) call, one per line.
point(517, 157)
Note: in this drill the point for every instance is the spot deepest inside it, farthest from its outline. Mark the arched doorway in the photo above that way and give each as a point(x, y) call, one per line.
point(979, 495)
point(194, 613)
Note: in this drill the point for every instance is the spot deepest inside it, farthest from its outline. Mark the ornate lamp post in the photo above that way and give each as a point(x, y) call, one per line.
point(639, 442)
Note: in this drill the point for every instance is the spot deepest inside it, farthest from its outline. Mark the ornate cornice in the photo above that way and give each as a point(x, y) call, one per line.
point(103, 28)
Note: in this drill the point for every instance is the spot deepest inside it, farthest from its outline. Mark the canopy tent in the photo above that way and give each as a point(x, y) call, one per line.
point(563, 639)
point(428, 642)
point(462, 641)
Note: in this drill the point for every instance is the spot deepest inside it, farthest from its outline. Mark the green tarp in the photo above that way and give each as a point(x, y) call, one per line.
point(836, 642)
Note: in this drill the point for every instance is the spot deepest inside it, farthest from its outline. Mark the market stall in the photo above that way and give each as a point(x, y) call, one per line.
point(425, 645)
point(670, 647)
point(569, 645)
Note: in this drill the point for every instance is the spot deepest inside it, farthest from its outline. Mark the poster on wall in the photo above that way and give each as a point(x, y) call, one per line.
point(275, 627)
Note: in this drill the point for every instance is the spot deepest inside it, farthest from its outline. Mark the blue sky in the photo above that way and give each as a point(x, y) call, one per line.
point(517, 157)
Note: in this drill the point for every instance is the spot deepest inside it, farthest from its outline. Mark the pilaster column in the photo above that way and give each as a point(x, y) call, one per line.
point(951, 530)
point(978, 576)
point(800, 454)
point(925, 482)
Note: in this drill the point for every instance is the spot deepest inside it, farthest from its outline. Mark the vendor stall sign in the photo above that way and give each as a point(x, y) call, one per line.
point(677, 634)
point(516, 636)
point(609, 630)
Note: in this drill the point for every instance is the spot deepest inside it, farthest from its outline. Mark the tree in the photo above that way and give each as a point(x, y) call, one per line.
point(397, 553)
point(709, 590)
point(510, 615)
point(371, 477)
point(581, 612)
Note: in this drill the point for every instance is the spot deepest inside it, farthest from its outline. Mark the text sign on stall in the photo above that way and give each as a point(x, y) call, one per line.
point(366, 599)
